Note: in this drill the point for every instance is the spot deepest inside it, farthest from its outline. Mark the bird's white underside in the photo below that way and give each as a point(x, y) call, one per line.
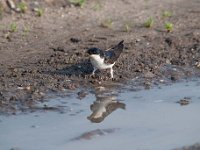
point(98, 62)
point(100, 106)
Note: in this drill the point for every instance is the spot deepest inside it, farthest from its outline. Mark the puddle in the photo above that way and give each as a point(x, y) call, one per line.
point(110, 120)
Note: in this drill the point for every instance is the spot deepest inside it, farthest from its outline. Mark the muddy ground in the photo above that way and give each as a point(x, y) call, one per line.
point(45, 53)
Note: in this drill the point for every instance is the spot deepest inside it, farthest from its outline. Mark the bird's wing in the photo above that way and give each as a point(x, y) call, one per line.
point(113, 53)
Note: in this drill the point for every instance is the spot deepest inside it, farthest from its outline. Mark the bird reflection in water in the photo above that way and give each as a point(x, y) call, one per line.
point(106, 102)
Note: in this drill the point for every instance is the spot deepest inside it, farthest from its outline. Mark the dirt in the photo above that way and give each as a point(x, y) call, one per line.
point(47, 54)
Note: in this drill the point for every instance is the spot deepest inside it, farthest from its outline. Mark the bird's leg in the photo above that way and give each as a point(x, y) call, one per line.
point(111, 72)
point(94, 70)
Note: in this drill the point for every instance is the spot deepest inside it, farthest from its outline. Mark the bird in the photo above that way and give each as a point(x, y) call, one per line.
point(105, 59)
point(106, 102)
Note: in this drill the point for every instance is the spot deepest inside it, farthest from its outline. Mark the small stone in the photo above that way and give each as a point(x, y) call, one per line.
point(184, 101)
point(162, 81)
point(11, 4)
point(82, 94)
point(147, 85)
point(20, 88)
point(60, 49)
point(168, 61)
point(197, 64)
point(149, 75)
point(168, 41)
point(71, 86)
point(138, 40)
point(175, 76)
point(28, 88)
point(75, 40)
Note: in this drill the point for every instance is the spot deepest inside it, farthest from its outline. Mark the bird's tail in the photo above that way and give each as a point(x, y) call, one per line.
point(119, 46)
point(114, 52)
point(121, 43)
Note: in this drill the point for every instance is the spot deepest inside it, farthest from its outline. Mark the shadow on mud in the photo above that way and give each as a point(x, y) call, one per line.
point(79, 70)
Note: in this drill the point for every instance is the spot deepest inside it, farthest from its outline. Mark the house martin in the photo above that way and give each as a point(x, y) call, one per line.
point(105, 59)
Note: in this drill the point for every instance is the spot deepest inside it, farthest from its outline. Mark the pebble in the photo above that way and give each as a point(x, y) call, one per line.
point(149, 75)
point(175, 76)
point(138, 40)
point(11, 4)
point(82, 94)
point(197, 64)
point(75, 40)
point(184, 101)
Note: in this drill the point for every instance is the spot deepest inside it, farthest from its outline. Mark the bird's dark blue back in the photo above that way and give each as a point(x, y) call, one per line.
point(109, 54)
point(113, 54)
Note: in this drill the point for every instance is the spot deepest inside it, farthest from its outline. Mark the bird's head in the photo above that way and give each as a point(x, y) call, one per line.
point(94, 51)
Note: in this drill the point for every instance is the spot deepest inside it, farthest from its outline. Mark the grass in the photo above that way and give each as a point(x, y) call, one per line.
point(1, 10)
point(39, 12)
point(149, 22)
point(22, 7)
point(26, 29)
point(127, 27)
point(97, 6)
point(167, 14)
point(79, 3)
point(108, 23)
point(13, 27)
point(168, 26)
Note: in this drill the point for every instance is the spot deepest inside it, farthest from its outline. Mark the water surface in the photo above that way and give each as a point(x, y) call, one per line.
point(110, 120)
